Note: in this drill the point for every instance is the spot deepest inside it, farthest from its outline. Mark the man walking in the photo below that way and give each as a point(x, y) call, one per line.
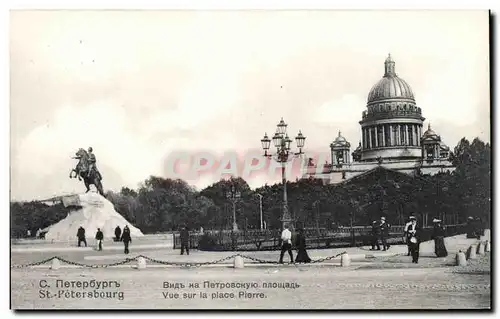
point(406, 232)
point(184, 240)
point(375, 235)
point(99, 236)
point(286, 237)
point(384, 233)
point(118, 232)
point(126, 238)
point(413, 238)
point(80, 234)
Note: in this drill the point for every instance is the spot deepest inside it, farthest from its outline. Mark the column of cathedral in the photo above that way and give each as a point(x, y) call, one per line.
point(399, 134)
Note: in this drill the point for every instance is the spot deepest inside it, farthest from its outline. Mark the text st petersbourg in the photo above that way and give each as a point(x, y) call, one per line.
point(191, 166)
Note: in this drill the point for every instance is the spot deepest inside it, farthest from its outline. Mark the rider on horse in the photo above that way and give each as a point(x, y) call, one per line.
point(92, 165)
point(86, 168)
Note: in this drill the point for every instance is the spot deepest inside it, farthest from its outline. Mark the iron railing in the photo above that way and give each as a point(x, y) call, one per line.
point(250, 240)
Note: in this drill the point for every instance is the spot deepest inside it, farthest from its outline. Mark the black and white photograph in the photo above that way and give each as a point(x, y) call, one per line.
point(250, 159)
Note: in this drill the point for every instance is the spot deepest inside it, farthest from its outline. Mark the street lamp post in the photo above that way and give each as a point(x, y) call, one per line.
point(260, 206)
point(282, 143)
point(316, 207)
point(233, 196)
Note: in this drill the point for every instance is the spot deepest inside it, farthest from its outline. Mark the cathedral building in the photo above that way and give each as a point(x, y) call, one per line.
point(393, 136)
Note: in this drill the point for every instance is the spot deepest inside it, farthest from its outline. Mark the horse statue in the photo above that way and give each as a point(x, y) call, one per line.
point(82, 172)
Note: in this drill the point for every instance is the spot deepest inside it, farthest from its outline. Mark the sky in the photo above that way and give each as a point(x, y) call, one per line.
point(140, 85)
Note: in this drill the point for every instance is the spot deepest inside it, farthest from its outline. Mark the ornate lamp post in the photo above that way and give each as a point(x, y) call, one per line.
point(282, 143)
point(260, 208)
point(233, 196)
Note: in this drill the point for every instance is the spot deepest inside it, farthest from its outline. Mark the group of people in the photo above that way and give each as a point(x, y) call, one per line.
point(99, 236)
point(300, 244)
point(380, 233)
point(413, 234)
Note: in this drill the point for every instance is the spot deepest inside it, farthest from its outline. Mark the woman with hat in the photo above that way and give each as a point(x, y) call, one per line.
point(300, 243)
point(438, 236)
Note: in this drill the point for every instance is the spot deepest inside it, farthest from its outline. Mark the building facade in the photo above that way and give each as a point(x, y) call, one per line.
point(392, 135)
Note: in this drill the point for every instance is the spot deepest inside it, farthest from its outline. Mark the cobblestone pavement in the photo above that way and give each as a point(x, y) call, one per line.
point(290, 287)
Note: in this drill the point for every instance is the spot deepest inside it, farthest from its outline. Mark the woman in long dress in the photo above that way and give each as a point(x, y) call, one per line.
point(438, 236)
point(300, 243)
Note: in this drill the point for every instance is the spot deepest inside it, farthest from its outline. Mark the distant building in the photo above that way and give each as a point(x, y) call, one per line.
point(392, 136)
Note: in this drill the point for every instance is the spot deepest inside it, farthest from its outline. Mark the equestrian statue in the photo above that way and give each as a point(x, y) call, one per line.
point(86, 169)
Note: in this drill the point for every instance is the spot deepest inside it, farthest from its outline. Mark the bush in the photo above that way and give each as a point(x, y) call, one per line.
point(209, 242)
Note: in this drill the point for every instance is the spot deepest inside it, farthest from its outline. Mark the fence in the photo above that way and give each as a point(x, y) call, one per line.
point(251, 240)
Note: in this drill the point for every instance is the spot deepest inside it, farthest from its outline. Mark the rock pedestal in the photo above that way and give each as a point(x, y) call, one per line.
point(93, 211)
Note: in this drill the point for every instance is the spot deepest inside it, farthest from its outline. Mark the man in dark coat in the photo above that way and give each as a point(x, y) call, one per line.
point(80, 234)
point(184, 234)
point(118, 232)
point(406, 233)
point(99, 236)
point(126, 238)
point(413, 238)
point(471, 229)
point(384, 232)
point(375, 235)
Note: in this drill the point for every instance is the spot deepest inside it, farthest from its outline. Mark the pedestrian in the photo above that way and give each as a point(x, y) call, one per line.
point(384, 232)
point(375, 235)
point(478, 227)
point(471, 229)
point(99, 236)
point(414, 240)
point(286, 237)
point(28, 233)
point(38, 232)
point(300, 243)
point(80, 234)
point(184, 234)
point(438, 236)
point(118, 233)
point(406, 232)
point(126, 238)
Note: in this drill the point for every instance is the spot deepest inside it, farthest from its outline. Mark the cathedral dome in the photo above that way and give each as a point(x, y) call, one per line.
point(390, 87)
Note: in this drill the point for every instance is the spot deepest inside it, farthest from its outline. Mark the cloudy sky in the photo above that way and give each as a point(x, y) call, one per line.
point(137, 86)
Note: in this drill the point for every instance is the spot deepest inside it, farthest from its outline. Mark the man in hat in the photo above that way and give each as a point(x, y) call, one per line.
point(413, 237)
point(406, 232)
point(99, 236)
point(375, 235)
point(184, 235)
point(384, 232)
